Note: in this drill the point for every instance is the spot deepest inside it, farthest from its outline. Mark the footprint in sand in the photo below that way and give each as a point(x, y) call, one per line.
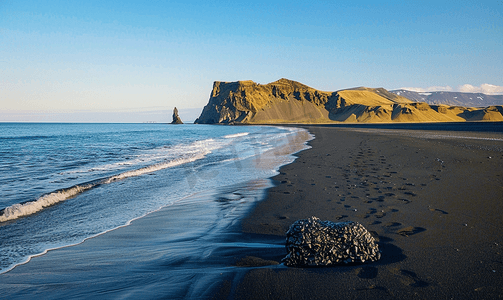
point(367, 272)
point(410, 278)
point(408, 231)
point(380, 214)
point(392, 224)
point(439, 211)
point(371, 211)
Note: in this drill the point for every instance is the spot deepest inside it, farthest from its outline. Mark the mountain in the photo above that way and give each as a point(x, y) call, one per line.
point(452, 98)
point(287, 101)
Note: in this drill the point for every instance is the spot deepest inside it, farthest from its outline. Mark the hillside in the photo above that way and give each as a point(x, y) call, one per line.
point(287, 101)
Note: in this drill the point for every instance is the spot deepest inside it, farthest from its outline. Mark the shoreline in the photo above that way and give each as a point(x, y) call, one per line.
point(179, 251)
point(412, 191)
point(434, 204)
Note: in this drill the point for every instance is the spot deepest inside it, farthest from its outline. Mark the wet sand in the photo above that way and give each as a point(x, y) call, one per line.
point(433, 200)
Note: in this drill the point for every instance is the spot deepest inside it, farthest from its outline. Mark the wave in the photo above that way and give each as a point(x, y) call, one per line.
point(24, 209)
point(230, 136)
point(149, 156)
point(156, 167)
point(18, 210)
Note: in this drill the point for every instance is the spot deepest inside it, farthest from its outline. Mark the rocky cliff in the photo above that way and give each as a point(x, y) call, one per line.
point(287, 101)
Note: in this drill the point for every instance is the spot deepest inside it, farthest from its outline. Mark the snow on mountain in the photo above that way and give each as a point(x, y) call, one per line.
point(452, 98)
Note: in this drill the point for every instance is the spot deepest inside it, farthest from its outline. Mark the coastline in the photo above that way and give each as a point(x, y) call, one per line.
point(180, 251)
point(414, 190)
point(432, 200)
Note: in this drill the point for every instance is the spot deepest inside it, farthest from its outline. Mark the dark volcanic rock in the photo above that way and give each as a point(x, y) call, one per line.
point(176, 117)
point(282, 101)
point(312, 242)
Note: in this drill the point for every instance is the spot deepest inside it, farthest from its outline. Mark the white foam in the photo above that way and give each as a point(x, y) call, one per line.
point(192, 152)
point(230, 136)
point(160, 158)
point(156, 167)
point(152, 155)
point(20, 210)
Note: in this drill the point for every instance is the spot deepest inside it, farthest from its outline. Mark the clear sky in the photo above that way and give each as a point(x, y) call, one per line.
point(93, 60)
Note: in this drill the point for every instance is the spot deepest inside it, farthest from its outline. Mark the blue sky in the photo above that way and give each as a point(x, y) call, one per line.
point(93, 60)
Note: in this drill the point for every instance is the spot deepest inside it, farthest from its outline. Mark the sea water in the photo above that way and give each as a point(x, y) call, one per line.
point(61, 184)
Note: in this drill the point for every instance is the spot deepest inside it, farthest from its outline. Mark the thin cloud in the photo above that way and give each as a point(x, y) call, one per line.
point(484, 88)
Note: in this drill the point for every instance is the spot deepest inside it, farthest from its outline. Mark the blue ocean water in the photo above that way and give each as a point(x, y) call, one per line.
point(64, 183)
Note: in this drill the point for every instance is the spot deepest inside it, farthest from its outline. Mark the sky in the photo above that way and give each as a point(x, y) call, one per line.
point(133, 61)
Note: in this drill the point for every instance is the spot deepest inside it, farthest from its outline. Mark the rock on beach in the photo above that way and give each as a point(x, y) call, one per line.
point(313, 242)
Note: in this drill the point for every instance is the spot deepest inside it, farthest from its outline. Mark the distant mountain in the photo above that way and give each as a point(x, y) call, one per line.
point(287, 101)
point(452, 98)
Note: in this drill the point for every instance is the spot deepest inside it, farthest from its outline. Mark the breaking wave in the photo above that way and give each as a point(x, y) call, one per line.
point(156, 167)
point(19, 210)
point(24, 209)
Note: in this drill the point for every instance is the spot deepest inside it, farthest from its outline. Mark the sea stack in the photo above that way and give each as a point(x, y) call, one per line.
point(176, 117)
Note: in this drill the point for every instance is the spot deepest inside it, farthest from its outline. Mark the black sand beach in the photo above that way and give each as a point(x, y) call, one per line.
point(432, 199)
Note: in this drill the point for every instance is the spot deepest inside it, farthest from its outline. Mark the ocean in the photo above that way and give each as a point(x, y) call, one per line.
point(62, 184)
